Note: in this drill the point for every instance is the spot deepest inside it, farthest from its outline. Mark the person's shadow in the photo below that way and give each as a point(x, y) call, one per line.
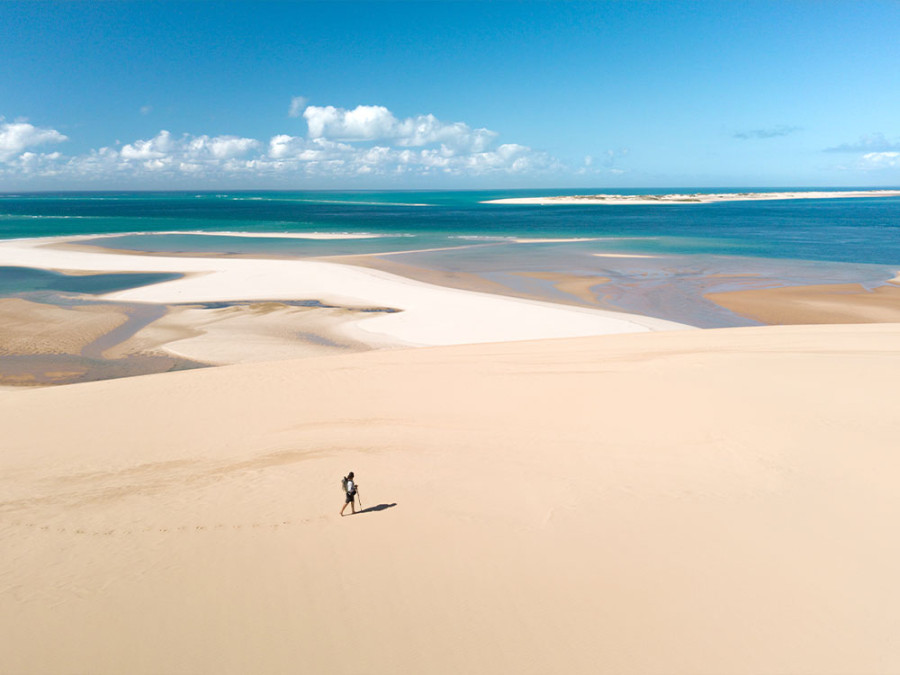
point(380, 507)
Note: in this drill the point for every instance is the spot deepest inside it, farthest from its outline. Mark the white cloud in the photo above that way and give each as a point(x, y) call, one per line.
point(221, 147)
point(298, 105)
point(323, 157)
point(377, 123)
point(155, 148)
point(364, 141)
point(15, 137)
point(880, 160)
point(363, 123)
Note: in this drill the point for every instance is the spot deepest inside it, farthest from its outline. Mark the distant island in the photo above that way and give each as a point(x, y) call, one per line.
point(694, 198)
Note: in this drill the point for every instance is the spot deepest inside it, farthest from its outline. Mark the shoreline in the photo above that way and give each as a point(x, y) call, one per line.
point(226, 309)
point(233, 310)
point(690, 198)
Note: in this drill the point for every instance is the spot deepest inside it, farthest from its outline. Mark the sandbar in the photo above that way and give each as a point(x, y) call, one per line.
point(427, 315)
point(690, 198)
point(824, 303)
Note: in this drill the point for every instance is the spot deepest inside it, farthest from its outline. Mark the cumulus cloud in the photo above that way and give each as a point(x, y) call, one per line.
point(770, 132)
point(872, 143)
point(298, 105)
point(192, 155)
point(220, 147)
point(155, 148)
point(15, 137)
point(880, 160)
point(363, 141)
point(377, 123)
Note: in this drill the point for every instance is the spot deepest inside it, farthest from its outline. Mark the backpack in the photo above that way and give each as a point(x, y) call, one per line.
point(344, 483)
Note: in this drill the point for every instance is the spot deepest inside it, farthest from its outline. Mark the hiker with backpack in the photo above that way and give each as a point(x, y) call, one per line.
point(350, 490)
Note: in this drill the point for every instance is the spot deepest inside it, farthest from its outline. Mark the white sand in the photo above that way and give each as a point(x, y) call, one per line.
point(269, 235)
point(431, 315)
point(244, 334)
point(666, 503)
point(691, 198)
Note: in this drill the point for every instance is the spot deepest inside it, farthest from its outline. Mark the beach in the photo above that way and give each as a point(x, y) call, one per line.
point(519, 511)
point(547, 483)
point(222, 311)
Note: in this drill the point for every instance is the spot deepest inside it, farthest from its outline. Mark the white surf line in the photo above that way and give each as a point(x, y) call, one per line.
point(553, 241)
point(430, 314)
point(512, 239)
point(412, 250)
point(71, 239)
point(250, 235)
point(319, 201)
point(285, 235)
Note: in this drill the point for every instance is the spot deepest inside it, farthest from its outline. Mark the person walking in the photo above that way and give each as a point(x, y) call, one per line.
point(350, 489)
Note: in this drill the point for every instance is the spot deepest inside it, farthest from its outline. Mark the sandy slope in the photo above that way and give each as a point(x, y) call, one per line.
point(682, 502)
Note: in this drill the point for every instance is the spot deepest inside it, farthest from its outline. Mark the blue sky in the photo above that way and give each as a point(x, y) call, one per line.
point(104, 95)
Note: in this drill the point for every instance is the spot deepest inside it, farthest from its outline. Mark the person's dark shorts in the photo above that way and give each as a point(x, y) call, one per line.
point(350, 496)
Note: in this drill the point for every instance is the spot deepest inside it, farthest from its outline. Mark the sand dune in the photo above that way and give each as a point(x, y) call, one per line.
point(675, 502)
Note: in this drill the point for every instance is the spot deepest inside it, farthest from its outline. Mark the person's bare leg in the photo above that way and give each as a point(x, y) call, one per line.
point(344, 507)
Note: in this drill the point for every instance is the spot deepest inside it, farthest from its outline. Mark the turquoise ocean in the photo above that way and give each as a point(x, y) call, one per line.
point(651, 248)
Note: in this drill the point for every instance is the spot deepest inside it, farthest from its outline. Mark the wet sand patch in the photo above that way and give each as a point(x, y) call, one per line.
point(577, 285)
point(824, 303)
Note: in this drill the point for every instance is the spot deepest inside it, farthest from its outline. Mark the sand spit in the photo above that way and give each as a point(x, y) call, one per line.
point(693, 198)
point(686, 502)
point(429, 315)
